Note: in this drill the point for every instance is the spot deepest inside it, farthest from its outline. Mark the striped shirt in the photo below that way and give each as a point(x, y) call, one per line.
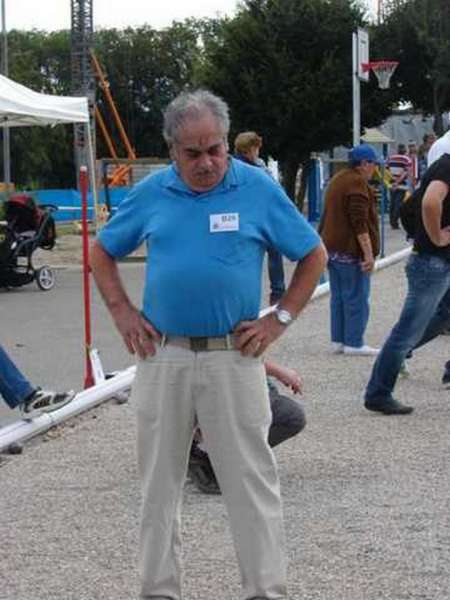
point(400, 165)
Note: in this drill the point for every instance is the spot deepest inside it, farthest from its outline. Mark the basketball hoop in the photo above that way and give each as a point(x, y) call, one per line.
point(383, 69)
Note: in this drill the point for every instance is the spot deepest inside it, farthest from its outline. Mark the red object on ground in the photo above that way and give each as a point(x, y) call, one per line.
point(88, 376)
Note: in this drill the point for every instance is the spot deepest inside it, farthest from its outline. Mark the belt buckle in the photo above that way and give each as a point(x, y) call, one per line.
point(198, 344)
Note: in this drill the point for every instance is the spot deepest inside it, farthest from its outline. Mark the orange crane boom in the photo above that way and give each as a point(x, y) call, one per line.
point(120, 175)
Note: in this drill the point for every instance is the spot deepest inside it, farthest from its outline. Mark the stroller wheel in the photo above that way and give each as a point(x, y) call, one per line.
point(45, 278)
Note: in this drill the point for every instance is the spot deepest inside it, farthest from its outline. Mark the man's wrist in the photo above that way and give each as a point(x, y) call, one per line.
point(284, 316)
point(117, 305)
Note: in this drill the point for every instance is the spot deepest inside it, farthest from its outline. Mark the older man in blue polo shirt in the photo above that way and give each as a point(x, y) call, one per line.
point(207, 221)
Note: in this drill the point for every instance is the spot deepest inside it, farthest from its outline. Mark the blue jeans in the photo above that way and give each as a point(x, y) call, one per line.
point(428, 283)
point(349, 303)
point(395, 201)
point(276, 273)
point(13, 386)
point(439, 321)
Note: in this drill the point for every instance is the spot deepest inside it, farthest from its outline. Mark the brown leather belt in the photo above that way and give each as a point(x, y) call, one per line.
point(199, 344)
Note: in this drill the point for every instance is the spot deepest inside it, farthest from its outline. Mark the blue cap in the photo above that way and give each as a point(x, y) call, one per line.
point(364, 152)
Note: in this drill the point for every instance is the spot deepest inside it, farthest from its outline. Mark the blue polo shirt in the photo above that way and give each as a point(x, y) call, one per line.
point(205, 250)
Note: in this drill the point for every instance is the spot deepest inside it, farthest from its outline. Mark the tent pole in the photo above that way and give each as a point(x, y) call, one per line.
point(93, 174)
point(6, 145)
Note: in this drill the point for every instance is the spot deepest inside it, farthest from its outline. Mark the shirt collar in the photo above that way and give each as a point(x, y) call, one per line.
point(230, 181)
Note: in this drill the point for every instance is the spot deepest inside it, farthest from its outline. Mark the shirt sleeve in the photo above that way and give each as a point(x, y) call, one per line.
point(287, 229)
point(358, 213)
point(126, 230)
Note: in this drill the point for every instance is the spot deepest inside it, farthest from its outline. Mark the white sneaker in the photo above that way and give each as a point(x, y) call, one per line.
point(43, 401)
point(337, 348)
point(361, 350)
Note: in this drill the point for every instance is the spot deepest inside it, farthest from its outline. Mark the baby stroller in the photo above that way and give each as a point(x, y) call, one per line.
point(26, 227)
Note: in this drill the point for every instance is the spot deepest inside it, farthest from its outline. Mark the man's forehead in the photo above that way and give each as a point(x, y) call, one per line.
point(204, 130)
point(201, 144)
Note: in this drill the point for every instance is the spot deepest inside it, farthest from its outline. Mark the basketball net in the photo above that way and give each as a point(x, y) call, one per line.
point(383, 69)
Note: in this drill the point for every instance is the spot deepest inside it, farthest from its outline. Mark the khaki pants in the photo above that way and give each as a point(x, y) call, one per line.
point(227, 394)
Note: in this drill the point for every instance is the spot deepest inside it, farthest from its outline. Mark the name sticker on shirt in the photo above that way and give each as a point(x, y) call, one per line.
point(224, 222)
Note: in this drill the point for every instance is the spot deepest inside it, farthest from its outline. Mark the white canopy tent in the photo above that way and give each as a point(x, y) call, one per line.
point(22, 107)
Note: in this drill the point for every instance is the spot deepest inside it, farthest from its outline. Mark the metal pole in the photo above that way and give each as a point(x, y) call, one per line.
point(6, 150)
point(84, 186)
point(356, 92)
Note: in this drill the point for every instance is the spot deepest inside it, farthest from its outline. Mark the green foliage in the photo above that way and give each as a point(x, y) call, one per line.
point(417, 34)
point(284, 66)
point(41, 156)
point(146, 69)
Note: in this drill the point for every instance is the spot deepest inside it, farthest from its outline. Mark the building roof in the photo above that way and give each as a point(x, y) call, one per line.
point(372, 135)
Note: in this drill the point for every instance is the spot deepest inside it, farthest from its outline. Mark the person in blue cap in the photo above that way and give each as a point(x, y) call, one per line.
point(349, 229)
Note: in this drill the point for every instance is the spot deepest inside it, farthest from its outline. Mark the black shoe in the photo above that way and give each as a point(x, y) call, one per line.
point(201, 471)
point(388, 406)
point(446, 375)
point(198, 456)
point(204, 479)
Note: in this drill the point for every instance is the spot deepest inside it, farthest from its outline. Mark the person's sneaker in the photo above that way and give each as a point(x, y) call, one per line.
point(44, 401)
point(201, 471)
point(361, 350)
point(387, 406)
point(337, 348)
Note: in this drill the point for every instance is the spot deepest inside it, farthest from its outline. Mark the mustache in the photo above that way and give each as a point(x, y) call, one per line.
point(205, 171)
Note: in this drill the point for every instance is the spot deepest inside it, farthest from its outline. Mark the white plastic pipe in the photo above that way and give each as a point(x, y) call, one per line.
point(20, 431)
point(23, 430)
point(382, 263)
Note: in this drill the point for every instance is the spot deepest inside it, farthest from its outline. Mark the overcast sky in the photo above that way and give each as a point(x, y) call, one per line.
point(51, 15)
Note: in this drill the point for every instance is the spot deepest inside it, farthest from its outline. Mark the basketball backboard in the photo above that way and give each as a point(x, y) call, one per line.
point(362, 37)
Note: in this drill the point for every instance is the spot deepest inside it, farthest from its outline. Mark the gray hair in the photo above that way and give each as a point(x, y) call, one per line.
point(193, 105)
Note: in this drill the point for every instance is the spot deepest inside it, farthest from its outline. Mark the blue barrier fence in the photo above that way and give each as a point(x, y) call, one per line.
point(69, 201)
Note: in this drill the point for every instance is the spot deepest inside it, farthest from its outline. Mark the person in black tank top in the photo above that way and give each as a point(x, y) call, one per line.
point(426, 311)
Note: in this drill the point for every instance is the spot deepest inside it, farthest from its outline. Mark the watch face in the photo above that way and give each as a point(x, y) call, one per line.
point(284, 316)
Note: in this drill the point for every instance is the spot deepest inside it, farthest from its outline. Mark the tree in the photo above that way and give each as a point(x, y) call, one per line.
point(146, 69)
point(417, 34)
point(41, 155)
point(284, 66)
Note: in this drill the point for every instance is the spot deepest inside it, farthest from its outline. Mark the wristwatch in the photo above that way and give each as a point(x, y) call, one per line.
point(284, 316)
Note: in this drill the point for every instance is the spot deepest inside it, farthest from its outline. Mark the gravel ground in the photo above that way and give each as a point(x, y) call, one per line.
point(366, 497)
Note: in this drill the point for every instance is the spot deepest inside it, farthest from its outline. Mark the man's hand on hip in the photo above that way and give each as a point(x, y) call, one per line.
point(138, 334)
point(253, 337)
